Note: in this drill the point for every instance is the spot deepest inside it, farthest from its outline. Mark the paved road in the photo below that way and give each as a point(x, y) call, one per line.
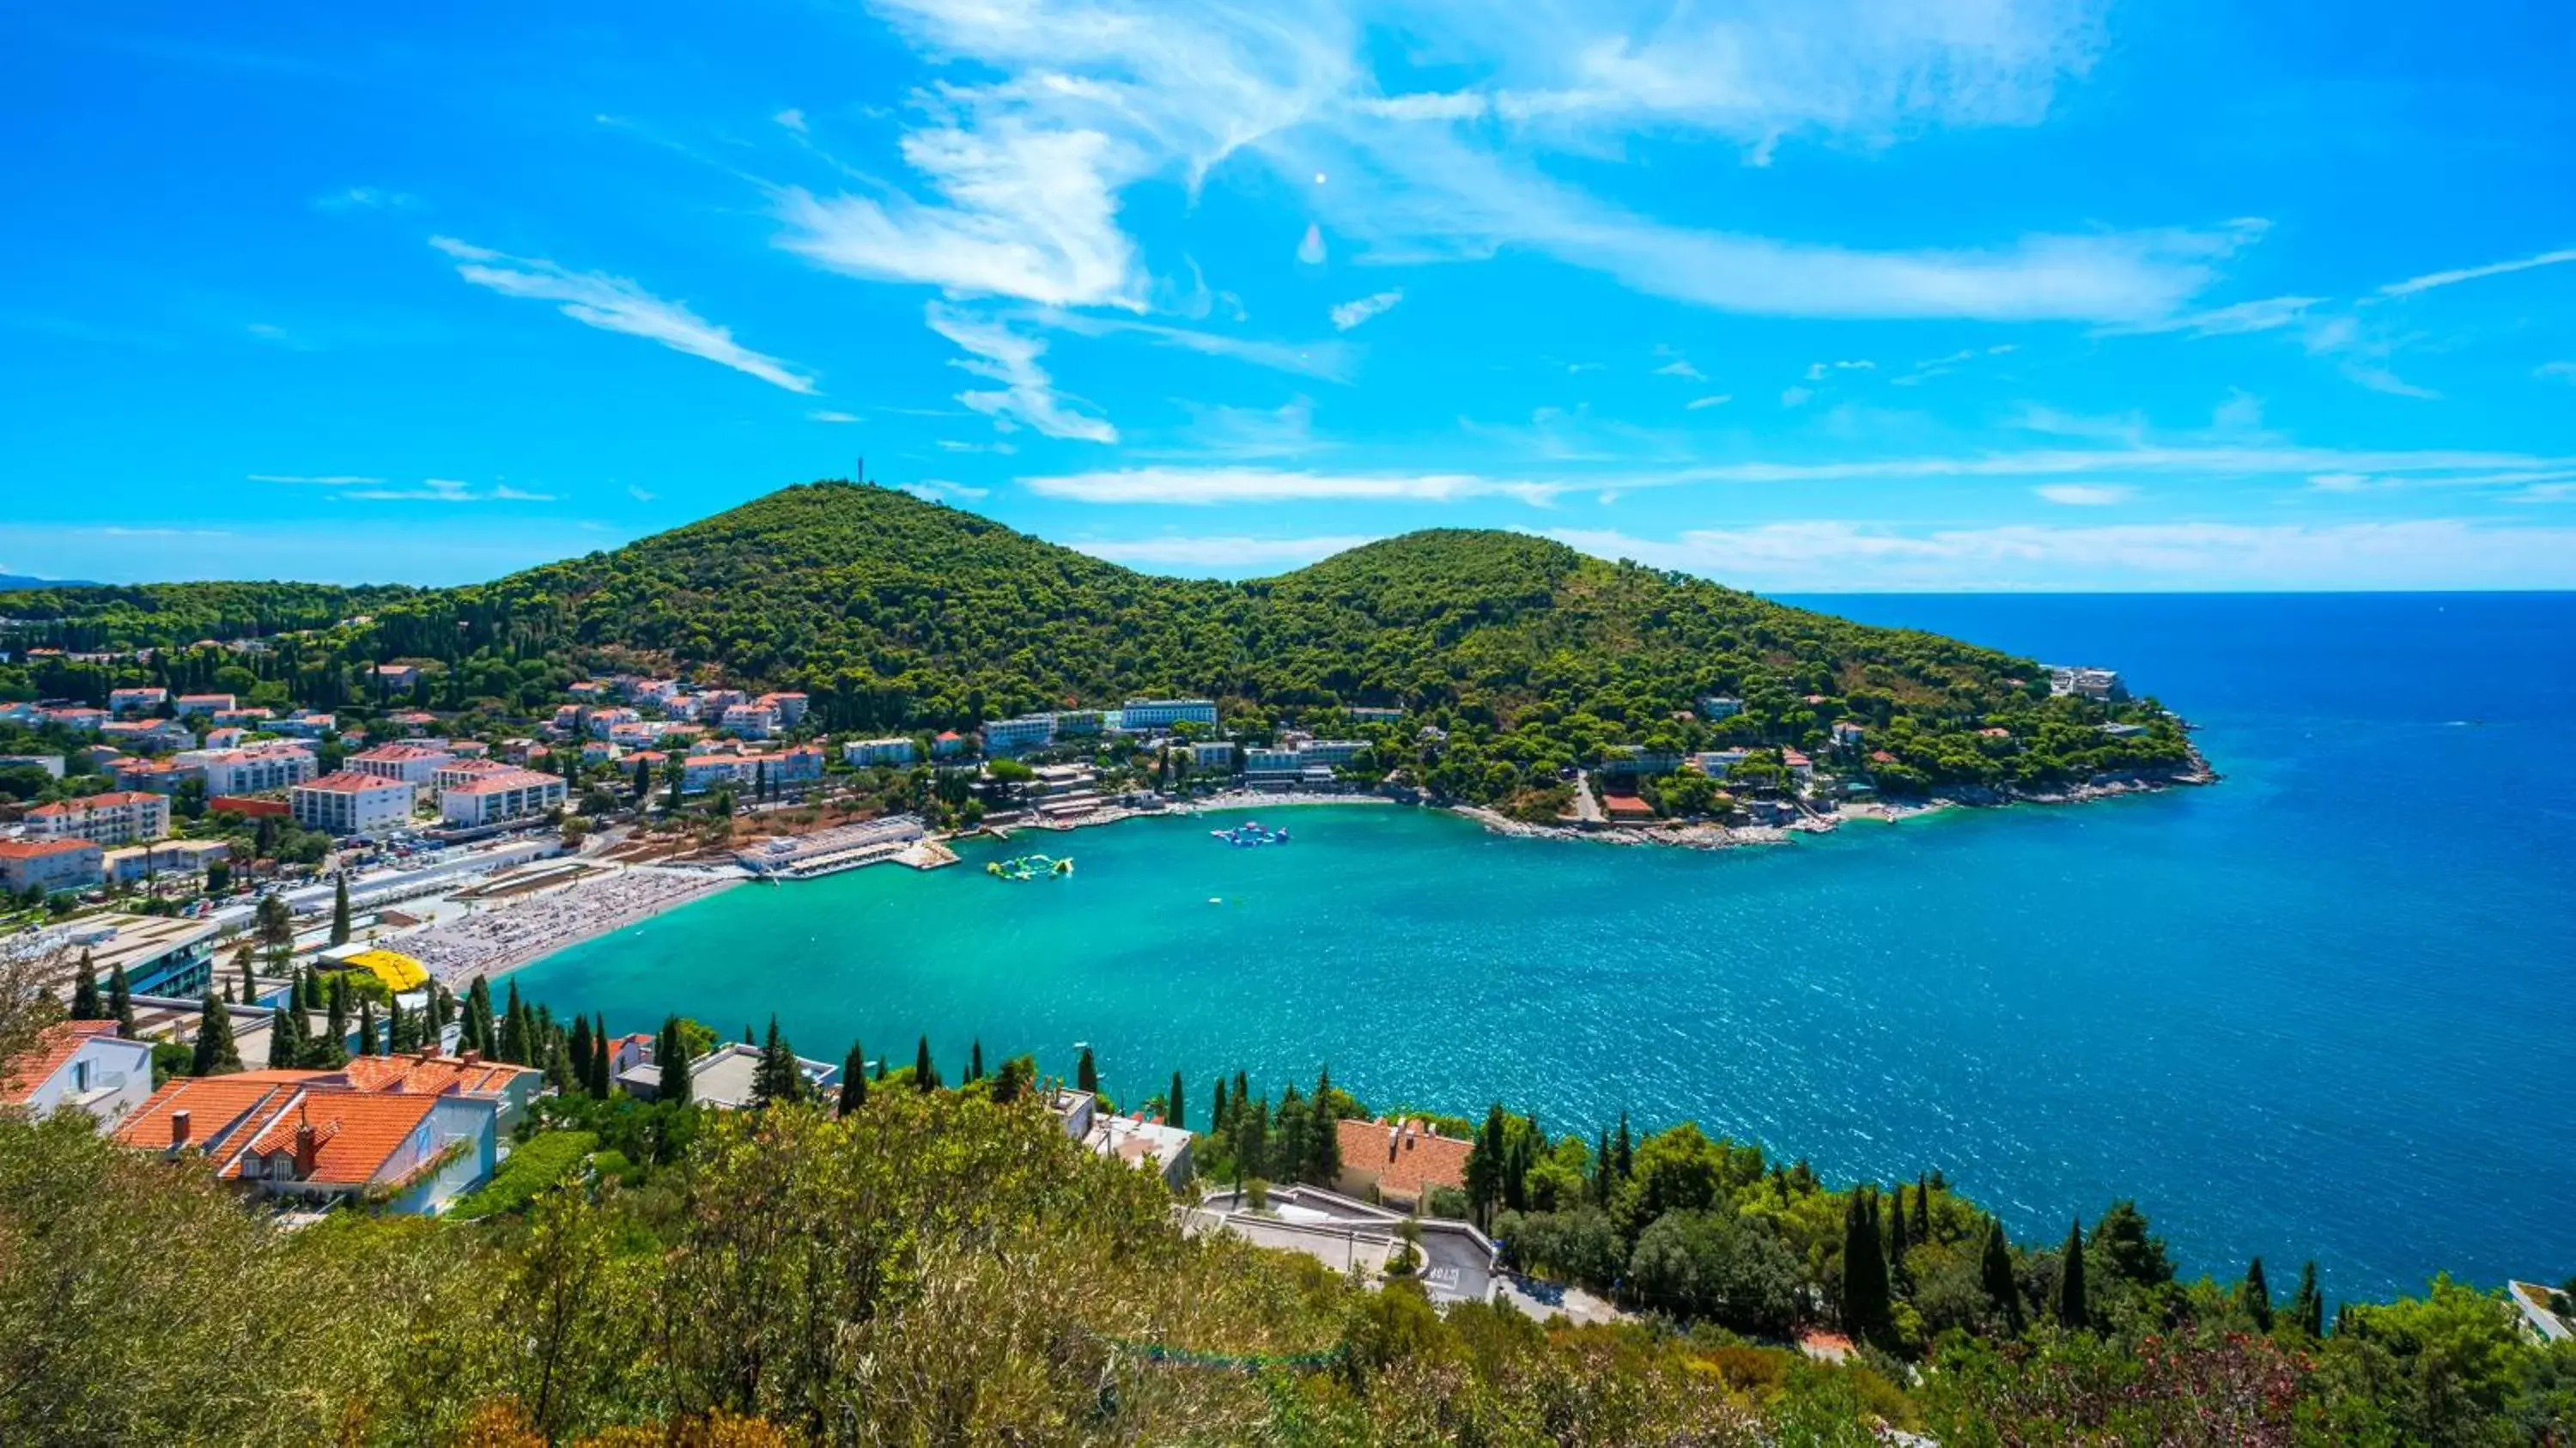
point(1587, 810)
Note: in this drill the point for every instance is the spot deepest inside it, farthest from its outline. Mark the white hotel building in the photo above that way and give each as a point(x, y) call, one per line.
point(353, 803)
point(256, 770)
point(488, 799)
point(413, 764)
point(1140, 715)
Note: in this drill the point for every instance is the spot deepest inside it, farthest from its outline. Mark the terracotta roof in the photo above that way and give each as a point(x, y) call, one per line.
point(505, 779)
point(55, 1044)
point(418, 1075)
point(111, 800)
point(38, 849)
point(389, 753)
point(215, 1106)
point(356, 1132)
point(1407, 1161)
point(349, 781)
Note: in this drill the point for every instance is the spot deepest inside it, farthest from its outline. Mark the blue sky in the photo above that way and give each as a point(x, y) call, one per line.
point(1800, 294)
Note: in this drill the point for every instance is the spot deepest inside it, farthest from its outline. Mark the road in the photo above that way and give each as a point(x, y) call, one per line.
point(1587, 810)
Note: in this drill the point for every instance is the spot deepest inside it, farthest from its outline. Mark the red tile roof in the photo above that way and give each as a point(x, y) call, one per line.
point(425, 1075)
point(355, 1132)
point(55, 1045)
point(38, 849)
point(504, 779)
point(113, 799)
point(1407, 1160)
point(215, 1106)
point(350, 781)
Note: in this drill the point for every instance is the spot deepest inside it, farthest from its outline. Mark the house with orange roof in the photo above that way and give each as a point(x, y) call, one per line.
point(79, 1064)
point(307, 1138)
point(426, 1073)
point(50, 865)
point(1399, 1163)
point(118, 817)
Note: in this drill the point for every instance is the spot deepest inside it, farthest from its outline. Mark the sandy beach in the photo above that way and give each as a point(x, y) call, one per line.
point(494, 941)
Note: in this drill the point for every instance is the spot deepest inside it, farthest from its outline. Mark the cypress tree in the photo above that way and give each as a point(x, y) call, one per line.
point(1896, 1237)
point(2072, 1310)
point(2254, 1295)
point(1601, 1182)
point(1323, 1135)
point(120, 1000)
point(1995, 1274)
point(603, 1069)
point(1173, 1111)
point(515, 1041)
point(338, 1031)
point(249, 983)
point(86, 1005)
point(1922, 1210)
point(925, 1076)
point(676, 1087)
point(215, 1054)
point(1251, 1136)
point(578, 1050)
point(340, 908)
point(1865, 1299)
point(2308, 1305)
point(1288, 1141)
point(975, 1062)
point(1626, 1150)
point(1484, 1172)
point(478, 1018)
point(400, 1029)
point(1086, 1074)
point(854, 1079)
point(366, 1028)
point(1216, 1109)
point(309, 990)
point(881, 1068)
point(285, 1039)
point(777, 1078)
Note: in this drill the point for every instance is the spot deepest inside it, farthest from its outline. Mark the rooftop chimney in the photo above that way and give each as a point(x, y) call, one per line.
point(308, 1148)
point(178, 1128)
point(470, 1057)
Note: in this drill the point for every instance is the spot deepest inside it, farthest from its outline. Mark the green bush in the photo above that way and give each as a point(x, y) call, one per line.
point(538, 1163)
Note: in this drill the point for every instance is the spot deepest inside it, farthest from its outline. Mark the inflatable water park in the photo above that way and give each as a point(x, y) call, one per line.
point(1030, 867)
point(1250, 832)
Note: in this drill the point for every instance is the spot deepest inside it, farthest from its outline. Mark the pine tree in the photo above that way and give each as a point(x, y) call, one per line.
point(1602, 1180)
point(577, 1053)
point(285, 1039)
point(1173, 1111)
point(340, 908)
point(854, 1079)
point(2308, 1305)
point(249, 982)
point(1484, 1172)
point(1086, 1074)
point(600, 1073)
point(366, 1028)
point(515, 1041)
point(86, 1005)
point(1897, 1228)
point(1288, 1137)
point(1216, 1110)
point(881, 1069)
point(673, 1057)
point(215, 1054)
point(2072, 1310)
point(2254, 1295)
point(1923, 1210)
point(975, 1062)
point(1865, 1295)
point(1995, 1274)
point(1625, 1150)
point(120, 1000)
point(925, 1076)
point(777, 1078)
point(1251, 1137)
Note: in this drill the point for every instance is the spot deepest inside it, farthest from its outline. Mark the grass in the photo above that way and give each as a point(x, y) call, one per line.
point(537, 1163)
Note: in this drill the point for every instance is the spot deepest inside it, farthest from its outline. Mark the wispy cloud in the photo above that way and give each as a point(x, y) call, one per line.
point(1819, 371)
point(826, 414)
point(940, 490)
point(2563, 371)
point(324, 480)
point(2084, 495)
point(367, 198)
point(614, 304)
point(1715, 400)
point(1680, 367)
point(1943, 366)
point(1376, 304)
point(1227, 554)
point(2431, 280)
point(2255, 316)
point(277, 336)
point(2435, 553)
point(792, 118)
point(1795, 396)
point(1207, 487)
point(427, 490)
point(1027, 396)
point(950, 444)
point(1329, 359)
point(1243, 434)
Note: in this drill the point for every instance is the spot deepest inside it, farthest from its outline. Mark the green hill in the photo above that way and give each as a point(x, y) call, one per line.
point(893, 613)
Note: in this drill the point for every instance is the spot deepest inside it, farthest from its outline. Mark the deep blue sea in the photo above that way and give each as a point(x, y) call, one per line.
point(2325, 1009)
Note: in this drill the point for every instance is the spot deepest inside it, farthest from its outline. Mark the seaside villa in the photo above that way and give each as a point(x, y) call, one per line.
point(1399, 1163)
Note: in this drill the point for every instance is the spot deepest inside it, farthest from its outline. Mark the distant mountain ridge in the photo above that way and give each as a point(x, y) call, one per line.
point(895, 613)
point(11, 582)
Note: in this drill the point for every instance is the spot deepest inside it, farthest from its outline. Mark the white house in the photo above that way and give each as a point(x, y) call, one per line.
point(83, 1064)
point(488, 799)
point(1139, 715)
point(413, 764)
point(1010, 736)
point(254, 770)
point(863, 752)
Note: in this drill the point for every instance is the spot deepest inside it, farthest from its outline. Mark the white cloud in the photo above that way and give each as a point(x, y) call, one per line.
point(1237, 434)
point(2430, 280)
point(2433, 553)
point(2342, 482)
point(1210, 486)
point(448, 490)
point(792, 118)
point(1329, 359)
point(1795, 396)
point(1310, 247)
point(1818, 371)
point(367, 198)
point(2256, 316)
point(826, 414)
point(1027, 396)
point(953, 445)
point(638, 494)
point(326, 480)
point(1376, 304)
point(614, 304)
point(1222, 554)
point(2565, 371)
point(939, 490)
point(1716, 400)
point(2084, 495)
point(1680, 367)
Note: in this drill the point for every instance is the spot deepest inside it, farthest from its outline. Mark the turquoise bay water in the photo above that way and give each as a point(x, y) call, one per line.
point(2322, 1009)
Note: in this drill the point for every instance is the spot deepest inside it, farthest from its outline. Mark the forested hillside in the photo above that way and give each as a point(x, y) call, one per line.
point(893, 613)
